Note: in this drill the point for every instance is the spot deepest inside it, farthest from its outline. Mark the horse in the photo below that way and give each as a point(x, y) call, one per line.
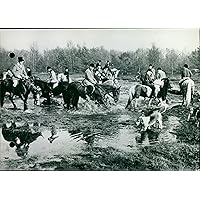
point(187, 88)
point(161, 89)
point(46, 90)
point(76, 90)
point(110, 89)
point(22, 90)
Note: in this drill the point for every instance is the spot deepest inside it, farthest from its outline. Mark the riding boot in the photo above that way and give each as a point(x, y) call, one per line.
point(153, 92)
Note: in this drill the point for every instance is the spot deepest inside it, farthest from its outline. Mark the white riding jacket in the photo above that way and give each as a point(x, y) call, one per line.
point(19, 71)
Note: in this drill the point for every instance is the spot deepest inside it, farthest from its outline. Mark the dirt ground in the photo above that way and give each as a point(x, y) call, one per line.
point(102, 139)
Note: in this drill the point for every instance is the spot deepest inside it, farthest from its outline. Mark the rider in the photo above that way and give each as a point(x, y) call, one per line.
point(52, 78)
point(66, 73)
point(107, 73)
point(64, 77)
point(98, 72)
point(149, 79)
point(89, 78)
point(185, 74)
point(19, 72)
point(115, 73)
point(160, 74)
point(29, 72)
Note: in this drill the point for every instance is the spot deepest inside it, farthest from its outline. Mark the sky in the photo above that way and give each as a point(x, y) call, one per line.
point(117, 39)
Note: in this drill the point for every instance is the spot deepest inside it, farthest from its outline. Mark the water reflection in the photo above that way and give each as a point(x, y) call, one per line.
point(86, 134)
point(20, 136)
point(53, 135)
point(76, 135)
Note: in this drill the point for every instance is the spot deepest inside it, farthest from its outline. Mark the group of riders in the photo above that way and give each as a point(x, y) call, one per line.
point(151, 76)
point(95, 75)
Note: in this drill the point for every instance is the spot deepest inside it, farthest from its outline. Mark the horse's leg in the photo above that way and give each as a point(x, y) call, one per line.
point(25, 100)
point(3, 93)
point(48, 99)
point(129, 101)
point(136, 103)
point(75, 102)
point(11, 99)
point(183, 99)
point(66, 98)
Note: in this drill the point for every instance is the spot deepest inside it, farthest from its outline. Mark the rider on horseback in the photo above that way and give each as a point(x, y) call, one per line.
point(149, 79)
point(160, 74)
point(19, 72)
point(52, 78)
point(185, 74)
point(98, 72)
point(107, 73)
point(89, 76)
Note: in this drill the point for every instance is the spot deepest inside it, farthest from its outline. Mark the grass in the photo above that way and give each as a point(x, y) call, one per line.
point(158, 157)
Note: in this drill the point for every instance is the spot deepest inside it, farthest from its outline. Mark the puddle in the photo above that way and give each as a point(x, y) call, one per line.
point(98, 131)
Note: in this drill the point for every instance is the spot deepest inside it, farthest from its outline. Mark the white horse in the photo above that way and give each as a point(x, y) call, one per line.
point(187, 87)
point(139, 90)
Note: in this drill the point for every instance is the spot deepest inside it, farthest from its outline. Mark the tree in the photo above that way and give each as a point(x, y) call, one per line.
point(194, 58)
point(170, 63)
point(154, 56)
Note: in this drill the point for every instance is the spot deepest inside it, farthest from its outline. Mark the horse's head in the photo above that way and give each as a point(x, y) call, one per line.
point(43, 86)
point(8, 83)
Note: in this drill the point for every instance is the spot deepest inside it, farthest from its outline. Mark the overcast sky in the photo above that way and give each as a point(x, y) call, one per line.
point(118, 39)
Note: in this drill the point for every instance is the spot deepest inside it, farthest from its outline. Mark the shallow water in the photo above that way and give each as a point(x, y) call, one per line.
point(77, 131)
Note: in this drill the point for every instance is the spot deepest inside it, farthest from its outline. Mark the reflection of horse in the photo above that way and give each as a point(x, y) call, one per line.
point(161, 88)
point(20, 137)
point(76, 90)
point(187, 88)
point(22, 90)
point(46, 90)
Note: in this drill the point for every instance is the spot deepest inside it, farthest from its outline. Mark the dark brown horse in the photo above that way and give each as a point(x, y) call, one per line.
point(46, 90)
point(77, 89)
point(22, 90)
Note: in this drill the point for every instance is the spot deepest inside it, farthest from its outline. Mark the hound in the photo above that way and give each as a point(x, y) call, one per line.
point(149, 119)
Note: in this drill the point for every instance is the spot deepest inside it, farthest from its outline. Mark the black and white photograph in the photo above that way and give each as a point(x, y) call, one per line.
point(100, 99)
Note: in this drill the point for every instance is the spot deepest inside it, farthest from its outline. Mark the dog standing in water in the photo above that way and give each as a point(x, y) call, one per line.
point(146, 120)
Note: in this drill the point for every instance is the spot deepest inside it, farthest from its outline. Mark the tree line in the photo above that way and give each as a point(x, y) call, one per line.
point(77, 58)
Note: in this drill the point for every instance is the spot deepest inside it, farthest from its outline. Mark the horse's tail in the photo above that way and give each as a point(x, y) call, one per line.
point(188, 93)
point(131, 96)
